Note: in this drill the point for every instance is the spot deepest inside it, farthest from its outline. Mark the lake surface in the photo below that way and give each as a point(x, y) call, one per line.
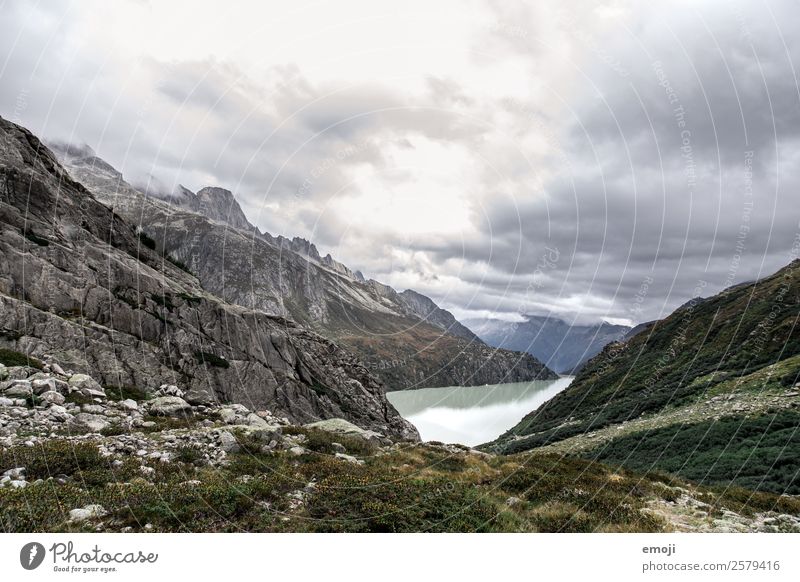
point(472, 415)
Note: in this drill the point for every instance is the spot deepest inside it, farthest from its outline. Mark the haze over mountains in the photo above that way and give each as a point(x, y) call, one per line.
point(559, 345)
point(404, 338)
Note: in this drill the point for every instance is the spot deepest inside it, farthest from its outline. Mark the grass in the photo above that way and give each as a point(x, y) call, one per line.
point(405, 489)
point(760, 453)
point(703, 349)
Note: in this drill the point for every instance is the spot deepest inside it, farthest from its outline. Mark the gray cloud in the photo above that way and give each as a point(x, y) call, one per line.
point(583, 156)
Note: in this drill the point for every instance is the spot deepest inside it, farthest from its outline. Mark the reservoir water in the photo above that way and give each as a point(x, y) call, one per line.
point(472, 415)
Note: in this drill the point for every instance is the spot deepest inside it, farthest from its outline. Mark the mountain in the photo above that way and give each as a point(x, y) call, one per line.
point(711, 393)
point(404, 338)
point(559, 345)
point(80, 283)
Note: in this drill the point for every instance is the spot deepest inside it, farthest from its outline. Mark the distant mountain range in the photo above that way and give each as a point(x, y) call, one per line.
point(561, 346)
point(711, 393)
point(404, 338)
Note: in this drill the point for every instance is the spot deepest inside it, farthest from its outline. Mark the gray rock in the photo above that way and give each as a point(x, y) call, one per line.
point(198, 397)
point(90, 422)
point(86, 386)
point(52, 397)
point(18, 389)
point(6, 401)
point(169, 406)
point(15, 473)
point(85, 513)
point(343, 427)
point(170, 390)
point(42, 385)
point(228, 442)
point(59, 413)
point(348, 458)
point(129, 404)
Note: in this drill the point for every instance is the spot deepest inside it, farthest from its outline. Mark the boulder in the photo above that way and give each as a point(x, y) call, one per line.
point(198, 397)
point(42, 385)
point(18, 389)
point(228, 442)
point(91, 422)
point(169, 406)
point(170, 390)
point(343, 427)
point(89, 512)
point(52, 397)
point(86, 386)
point(129, 404)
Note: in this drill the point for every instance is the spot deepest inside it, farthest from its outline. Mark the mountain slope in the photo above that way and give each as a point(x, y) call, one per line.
point(707, 393)
point(559, 345)
point(78, 283)
point(404, 338)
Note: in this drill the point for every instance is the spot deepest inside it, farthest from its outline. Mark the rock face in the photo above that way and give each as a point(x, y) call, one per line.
point(77, 282)
point(559, 345)
point(403, 338)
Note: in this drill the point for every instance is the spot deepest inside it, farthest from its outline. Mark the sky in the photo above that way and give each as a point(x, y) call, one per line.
point(590, 160)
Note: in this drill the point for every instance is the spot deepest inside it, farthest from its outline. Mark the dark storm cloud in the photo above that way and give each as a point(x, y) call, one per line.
point(670, 148)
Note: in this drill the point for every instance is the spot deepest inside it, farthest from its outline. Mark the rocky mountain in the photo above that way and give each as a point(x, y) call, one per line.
point(561, 346)
point(711, 393)
point(79, 282)
point(404, 338)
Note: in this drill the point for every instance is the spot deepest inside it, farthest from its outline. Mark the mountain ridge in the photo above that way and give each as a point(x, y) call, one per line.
point(405, 338)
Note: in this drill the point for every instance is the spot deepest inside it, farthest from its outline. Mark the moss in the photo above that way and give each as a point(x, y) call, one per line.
point(14, 358)
point(125, 392)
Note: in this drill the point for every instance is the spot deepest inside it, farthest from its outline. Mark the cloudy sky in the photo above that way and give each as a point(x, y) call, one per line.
point(596, 160)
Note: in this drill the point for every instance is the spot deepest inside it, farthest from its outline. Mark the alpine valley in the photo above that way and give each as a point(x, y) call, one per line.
point(166, 366)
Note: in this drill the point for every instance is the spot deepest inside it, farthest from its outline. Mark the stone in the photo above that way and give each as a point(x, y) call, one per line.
point(129, 404)
point(255, 420)
point(170, 390)
point(52, 397)
point(59, 413)
point(6, 401)
point(91, 422)
point(18, 389)
point(297, 451)
point(89, 512)
point(42, 385)
point(348, 458)
point(228, 442)
point(343, 427)
point(197, 397)
point(169, 406)
point(15, 473)
point(86, 386)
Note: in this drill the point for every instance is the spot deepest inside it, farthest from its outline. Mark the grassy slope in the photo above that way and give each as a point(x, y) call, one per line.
point(728, 357)
point(407, 488)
